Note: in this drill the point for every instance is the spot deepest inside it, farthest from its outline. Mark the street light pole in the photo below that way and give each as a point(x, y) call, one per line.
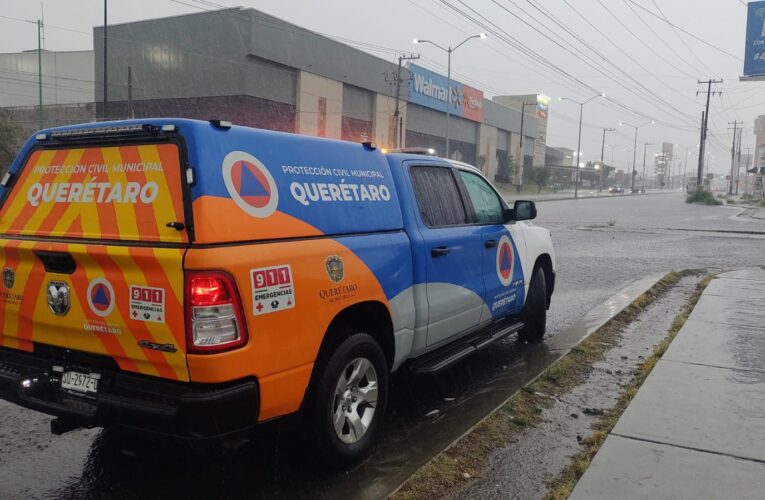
point(449, 51)
point(634, 150)
point(578, 153)
point(520, 146)
point(602, 152)
point(645, 147)
point(685, 166)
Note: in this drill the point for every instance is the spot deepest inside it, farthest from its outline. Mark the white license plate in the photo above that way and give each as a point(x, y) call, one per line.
point(83, 383)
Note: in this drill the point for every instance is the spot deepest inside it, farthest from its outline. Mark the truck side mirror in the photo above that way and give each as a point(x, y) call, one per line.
point(525, 210)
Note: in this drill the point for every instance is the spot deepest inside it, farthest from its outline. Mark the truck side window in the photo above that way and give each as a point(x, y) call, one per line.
point(438, 197)
point(486, 203)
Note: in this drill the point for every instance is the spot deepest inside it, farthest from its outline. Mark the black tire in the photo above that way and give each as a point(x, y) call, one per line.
point(322, 402)
point(534, 313)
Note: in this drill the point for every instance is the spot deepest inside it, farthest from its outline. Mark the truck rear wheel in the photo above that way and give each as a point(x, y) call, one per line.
point(534, 314)
point(346, 410)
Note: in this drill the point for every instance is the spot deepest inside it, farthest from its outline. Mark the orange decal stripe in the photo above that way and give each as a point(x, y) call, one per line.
point(112, 345)
point(116, 276)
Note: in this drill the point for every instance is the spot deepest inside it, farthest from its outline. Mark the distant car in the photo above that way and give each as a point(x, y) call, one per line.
point(616, 189)
point(638, 190)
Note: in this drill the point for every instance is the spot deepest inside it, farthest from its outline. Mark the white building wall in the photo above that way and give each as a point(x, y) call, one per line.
point(67, 78)
point(311, 89)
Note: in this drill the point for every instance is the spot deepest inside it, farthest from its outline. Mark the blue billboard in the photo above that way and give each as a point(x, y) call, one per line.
point(754, 57)
point(429, 89)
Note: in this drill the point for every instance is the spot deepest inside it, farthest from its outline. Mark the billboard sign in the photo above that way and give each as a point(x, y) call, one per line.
point(430, 89)
point(754, 57)
point(542, 103)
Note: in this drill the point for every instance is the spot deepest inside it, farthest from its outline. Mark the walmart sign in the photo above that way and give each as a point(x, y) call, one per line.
point(430, 89)
point(754, 58)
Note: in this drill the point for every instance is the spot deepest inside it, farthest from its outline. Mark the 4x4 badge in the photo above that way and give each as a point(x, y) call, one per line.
point(58, 297)
point(9, 277)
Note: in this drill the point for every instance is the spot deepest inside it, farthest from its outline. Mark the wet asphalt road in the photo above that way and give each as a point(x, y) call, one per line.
point(601, 245)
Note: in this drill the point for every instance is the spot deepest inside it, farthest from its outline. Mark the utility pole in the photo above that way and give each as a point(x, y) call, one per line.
point(39, 73)
point(645, 147)
point(130, 93)
point(602, 152)
point(106, 99)
point(733, 154)
point(738, 160)
point(396, 113)
point(746, 169)
point(520, 146)
point(704, 125)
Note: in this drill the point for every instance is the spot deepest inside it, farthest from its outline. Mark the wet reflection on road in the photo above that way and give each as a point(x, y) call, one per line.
point(426, 413)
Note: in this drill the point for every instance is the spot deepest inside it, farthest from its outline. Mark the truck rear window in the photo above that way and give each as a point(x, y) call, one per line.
point(126, 192)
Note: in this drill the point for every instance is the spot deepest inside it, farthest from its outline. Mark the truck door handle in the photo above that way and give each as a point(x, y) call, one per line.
point(439, 251)
point(490, 243)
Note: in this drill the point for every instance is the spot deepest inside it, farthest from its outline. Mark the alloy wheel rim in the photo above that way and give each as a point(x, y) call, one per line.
point(355, 400)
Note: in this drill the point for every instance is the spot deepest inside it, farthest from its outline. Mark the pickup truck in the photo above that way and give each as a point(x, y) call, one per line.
point(195, 279)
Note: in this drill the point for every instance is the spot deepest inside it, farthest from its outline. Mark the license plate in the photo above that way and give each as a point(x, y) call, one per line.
point(82, 383)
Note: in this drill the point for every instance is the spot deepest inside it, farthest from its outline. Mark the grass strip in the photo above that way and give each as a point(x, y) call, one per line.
point(563, 485)
point(466, 458)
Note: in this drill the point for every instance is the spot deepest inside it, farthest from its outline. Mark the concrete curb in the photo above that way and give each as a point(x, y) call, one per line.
point(591, 322)
point(588, 197)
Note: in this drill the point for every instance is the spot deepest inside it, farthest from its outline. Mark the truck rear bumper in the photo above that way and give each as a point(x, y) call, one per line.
point(180, 409)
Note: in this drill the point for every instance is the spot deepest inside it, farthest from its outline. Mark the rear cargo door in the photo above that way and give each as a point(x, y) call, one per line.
point(88, 260)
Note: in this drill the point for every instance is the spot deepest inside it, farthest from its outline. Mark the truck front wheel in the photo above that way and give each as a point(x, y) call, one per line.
point(346, 411)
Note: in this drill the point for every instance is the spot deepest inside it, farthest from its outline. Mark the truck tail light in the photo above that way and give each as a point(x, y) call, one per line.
point(214, 318)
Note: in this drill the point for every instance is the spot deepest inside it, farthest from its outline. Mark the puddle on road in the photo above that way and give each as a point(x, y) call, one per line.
point(277, 465)
point(523, 468)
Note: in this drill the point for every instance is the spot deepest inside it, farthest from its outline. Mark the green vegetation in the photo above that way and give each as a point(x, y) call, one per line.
point(703, 197)
point(466, 458)
point(11, 137)
point(564, 484)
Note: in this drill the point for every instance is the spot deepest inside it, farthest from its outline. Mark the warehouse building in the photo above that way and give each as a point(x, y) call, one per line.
point(254, 69)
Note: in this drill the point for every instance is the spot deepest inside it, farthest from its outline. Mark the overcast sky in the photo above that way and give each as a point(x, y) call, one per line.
point(658, 64)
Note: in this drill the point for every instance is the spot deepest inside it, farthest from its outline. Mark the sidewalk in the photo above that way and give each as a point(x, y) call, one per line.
point(696, 428)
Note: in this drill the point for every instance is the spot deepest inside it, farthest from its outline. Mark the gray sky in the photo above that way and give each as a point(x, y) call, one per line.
point(657, 59)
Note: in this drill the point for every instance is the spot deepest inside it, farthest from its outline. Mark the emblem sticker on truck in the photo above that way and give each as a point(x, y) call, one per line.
point(147, 304)
point(250, 184)
point(505, 261)
point(101, 297)
point(272, 289)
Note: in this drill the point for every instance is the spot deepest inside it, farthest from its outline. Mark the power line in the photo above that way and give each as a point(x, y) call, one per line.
point(581, 40)
point(686, 31)
point(513, 42)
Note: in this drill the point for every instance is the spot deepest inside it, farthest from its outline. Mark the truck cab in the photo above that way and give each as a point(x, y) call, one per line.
point(196, 279)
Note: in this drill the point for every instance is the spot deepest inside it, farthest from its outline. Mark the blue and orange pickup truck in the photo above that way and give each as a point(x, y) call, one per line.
point(195, 278)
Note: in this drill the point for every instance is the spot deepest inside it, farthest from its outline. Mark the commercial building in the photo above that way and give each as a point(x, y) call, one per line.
point(537, 105)
point(66, 85)
point(254, 69)
point(759, 143)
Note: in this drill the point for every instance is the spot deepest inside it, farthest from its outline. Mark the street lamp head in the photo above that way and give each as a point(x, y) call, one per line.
point(602, 95)
point(560, 98)
point(482, 36)
point(621, 124)
point(416, 41)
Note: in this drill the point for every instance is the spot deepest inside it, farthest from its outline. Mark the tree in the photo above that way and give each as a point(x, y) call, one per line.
point(540, 176)
point(11, 137)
